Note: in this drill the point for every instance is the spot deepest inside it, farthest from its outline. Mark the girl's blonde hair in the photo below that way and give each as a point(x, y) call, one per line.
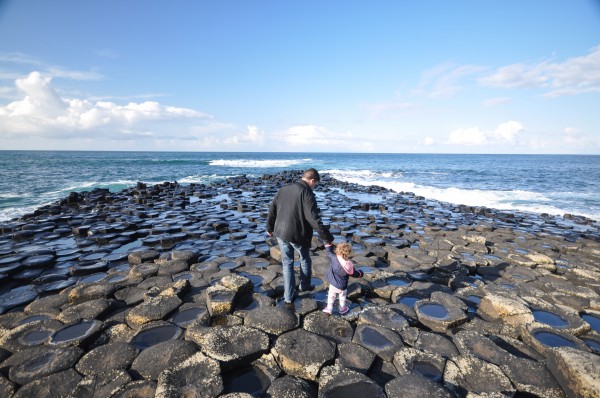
point(343, 250)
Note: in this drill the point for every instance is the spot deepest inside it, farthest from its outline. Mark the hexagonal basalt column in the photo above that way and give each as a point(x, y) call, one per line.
point(438, 316)
point(301, 353)
point(383, 342)
point(235, 345)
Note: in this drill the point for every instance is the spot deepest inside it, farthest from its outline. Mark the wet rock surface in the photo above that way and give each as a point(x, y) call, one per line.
point(172, 290)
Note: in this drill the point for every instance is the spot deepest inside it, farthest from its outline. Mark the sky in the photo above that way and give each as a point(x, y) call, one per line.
point(432, 76)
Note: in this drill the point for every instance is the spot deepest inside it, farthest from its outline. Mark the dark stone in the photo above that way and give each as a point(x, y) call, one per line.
point(302, 354)
point(336, 381)
point(272, 320)
point(163, 356)
point(332, 327)
point(383, 342)
point(31, 364)
point(60, 384)
point(137, 389)
point(114, 356)
point(414, 385)
point(102, 384)
point(198, 375)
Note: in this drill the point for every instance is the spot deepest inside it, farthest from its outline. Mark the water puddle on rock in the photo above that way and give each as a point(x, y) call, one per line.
point(366, 269)
point(351, 390)
point(116, 278)
point(434, 310)
point(247, 379)
point(593, 344)
point(427, 370)
point(186, 276)
point(185, 317)
point(152, 336)
point(395, 281)
point(409, 301)
point(316, 281)
point(373, 338)
point(36, 337)
point(33, 318)
point(228, 265)
point(261, 264)
point(553, 340)
point(418, 276)
point(320, 296)
point(72, 332)
point(550, 318)
point(92, 278)
point(594, 321)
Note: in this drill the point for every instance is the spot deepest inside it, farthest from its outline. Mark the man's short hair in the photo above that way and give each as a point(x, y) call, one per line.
point(312, 174)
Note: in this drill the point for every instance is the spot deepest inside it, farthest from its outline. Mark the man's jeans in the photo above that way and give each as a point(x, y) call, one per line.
point(287, 261)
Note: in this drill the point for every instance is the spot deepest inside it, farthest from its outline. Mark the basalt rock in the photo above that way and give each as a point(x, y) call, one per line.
point(234, 346)
point(198, 375)
point(147, 277)
point(338, 381)
point(577, 372)
point(466, 374)
point(383, 342)
point(33, 363)
point(272, 320)
point(302, 354)
point(336, 329)
point(60, 384)
point(116, 355)
point(150, 363)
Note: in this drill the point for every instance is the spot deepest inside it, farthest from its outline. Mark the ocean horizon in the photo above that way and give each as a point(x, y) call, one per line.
point(536, 183)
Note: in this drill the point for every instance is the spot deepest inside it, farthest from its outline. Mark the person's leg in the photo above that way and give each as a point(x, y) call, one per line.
point(343, 307)
point(305, 266)
point(342, 298)
point(331, 297)
point(287, 263)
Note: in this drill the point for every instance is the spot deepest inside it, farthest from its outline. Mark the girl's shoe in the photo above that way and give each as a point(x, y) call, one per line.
point(327, 310)
point(344, 310)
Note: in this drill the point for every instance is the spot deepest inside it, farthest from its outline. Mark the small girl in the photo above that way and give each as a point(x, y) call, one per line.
point(340, 268)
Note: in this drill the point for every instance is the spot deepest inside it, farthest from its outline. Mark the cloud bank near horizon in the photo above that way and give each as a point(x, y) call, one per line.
point(39, 110)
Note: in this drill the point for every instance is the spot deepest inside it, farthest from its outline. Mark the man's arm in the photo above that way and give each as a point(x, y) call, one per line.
point(311, 212)
point(270, 227)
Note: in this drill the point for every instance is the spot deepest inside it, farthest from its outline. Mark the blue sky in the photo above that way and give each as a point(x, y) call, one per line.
point(318, 76)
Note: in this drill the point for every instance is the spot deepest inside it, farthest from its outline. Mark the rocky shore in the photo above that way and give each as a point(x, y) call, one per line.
point(173, 290)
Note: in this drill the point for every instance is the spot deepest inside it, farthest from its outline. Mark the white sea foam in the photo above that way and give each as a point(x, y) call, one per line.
point(9, 213)
point(13, 195)
point(202, 179)
point(511, 200)
point(258, 163)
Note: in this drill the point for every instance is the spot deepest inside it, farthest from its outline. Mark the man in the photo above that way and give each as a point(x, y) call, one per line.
point(293, 215)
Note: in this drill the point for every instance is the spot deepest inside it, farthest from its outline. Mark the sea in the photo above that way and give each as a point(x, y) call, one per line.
point(552, 184)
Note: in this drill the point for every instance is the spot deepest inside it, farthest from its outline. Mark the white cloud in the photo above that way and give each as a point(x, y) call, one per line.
point(41, 111)
point(505, 133)
point(574, 137)
point(311, 137)
point(385, 110)
point(445, 80)
point(254, 136)
point(468, 136)
point(429, 141)
point(495, 101)
point(576, 75)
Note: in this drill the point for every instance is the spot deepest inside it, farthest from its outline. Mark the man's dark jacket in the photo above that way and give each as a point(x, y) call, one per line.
point(294, 215)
